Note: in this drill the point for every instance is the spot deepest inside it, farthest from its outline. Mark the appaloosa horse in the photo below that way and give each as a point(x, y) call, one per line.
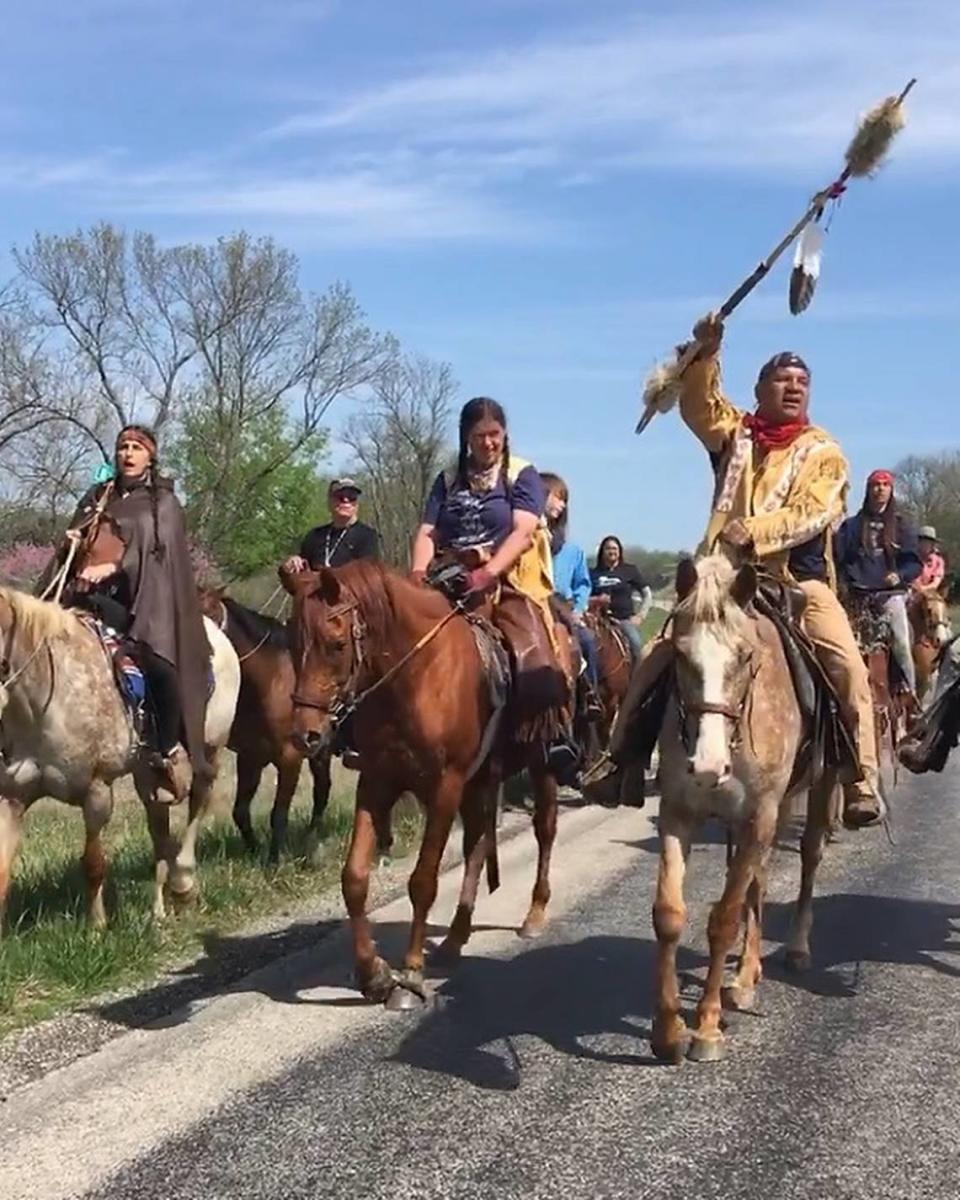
point(729, 742)
point(930, 625)
point(66, 733)
point(427, 723)
point(262, 730)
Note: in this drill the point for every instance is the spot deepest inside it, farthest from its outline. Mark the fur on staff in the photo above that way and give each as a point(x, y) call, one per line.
point(661, 390)
point(873, 138)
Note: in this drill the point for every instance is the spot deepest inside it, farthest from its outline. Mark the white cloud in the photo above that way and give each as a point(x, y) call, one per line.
point(743, 91)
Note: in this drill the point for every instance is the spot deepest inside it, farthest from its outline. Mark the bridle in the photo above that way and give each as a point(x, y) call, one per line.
point(733, 713)
point(347, 698)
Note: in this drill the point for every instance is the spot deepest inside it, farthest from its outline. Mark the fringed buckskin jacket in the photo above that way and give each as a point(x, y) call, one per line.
point(790, 500)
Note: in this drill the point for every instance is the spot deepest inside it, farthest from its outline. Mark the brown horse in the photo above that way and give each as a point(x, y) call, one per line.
point(262, 730)
point(427, 724)
point(614, 659)
point(930, 625)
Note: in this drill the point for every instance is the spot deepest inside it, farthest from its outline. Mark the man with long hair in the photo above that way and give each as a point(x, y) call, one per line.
point(877, 555)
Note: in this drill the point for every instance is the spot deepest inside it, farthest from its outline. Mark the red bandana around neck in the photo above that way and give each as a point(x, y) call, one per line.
point(768, 436)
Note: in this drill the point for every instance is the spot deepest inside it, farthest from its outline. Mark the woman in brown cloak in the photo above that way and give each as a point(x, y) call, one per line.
point(146, 590)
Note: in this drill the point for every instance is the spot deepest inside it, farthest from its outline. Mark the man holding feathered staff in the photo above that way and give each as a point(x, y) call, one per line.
point(781, 482)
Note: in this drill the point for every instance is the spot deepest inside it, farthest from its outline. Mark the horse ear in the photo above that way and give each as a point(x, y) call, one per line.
point(686, 578)
point(327, 586)
point(298, 583)
point(744, 586)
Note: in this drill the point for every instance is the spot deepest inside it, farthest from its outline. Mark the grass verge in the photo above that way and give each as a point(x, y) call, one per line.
point(51, 962)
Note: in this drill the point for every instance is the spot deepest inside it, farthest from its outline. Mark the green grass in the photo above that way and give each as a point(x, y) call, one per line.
point(50, 961)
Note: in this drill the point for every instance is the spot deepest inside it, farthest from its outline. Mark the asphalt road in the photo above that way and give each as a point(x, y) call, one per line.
point(530, 1075)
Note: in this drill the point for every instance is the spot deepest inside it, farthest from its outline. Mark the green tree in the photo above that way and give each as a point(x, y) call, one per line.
point(250, 507)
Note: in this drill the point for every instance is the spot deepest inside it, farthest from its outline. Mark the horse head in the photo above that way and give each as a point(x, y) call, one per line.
point(932, 616)
point(327, 649)
point(212, 606)
point(716, 648)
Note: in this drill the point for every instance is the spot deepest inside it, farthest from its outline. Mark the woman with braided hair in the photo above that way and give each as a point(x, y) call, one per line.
point(146, 591)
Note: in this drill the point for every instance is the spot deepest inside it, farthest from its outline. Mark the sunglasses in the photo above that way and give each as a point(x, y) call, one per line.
point(350, 497)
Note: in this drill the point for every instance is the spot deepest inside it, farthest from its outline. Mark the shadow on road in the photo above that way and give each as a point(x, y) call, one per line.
point(590, 1000)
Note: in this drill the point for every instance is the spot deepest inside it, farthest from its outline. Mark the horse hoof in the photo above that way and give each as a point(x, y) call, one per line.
point(671, 1053)
point(737, 999)
point(182, 902)
point(402, 1000)
point(706, 1049)
point(532, 928)
point(797, 961)
point(378, 984)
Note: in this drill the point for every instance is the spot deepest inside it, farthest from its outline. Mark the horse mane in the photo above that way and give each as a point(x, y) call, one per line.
point(710, 602)
point(377, 589)
point(37, 619)
point(258, 627)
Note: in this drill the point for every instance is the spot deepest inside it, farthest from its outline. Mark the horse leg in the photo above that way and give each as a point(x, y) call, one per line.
point(97, 810)
point(441, 809)
point(742, 989)
point(722, 928)
point(288, 776)
point(11, 829)
point(815, 831)
point(475, 812)
point(320, 770)
point(183, 870)
point(545, 827)
point(249, 770)
point(669, 1037)
point(164, 847)
point(374, 977)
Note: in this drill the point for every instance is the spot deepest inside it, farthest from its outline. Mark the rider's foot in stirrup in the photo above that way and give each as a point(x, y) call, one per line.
point(176, 775)
point(861, 806)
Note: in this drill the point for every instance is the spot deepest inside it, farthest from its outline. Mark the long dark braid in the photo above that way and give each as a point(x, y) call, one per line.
point(477, 409)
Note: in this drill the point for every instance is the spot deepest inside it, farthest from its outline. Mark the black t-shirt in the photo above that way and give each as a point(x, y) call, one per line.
point(328, 546)
point(619, 583)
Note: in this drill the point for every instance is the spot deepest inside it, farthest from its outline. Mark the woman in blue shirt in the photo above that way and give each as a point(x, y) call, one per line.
point(571, 576)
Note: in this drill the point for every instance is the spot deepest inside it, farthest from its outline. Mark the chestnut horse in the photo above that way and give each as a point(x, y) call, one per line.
point(262, 730)
point(614, 659)
point(930, 625)
point(426, 724)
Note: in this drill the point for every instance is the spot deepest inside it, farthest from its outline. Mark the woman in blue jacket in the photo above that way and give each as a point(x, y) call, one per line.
point(571, 576)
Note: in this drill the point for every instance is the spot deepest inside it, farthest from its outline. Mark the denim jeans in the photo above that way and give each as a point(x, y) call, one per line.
point(895, 608)
point(633, 636)
point(588, 648)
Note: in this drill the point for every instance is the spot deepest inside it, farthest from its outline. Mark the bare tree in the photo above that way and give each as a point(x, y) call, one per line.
point(213, 342)
point(401, 441)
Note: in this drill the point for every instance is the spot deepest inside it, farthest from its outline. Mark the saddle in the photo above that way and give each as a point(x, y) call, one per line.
point(127, 675)
point(828, 742)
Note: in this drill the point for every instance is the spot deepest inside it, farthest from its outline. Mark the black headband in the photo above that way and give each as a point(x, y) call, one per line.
point(786, 358)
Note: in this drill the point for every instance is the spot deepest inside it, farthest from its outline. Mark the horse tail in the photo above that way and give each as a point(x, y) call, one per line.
point(493, 859)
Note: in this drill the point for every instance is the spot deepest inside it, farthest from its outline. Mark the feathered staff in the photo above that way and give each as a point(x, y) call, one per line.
point(864, 155)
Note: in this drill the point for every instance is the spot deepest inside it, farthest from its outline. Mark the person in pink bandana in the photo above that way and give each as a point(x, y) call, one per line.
point(934, 569)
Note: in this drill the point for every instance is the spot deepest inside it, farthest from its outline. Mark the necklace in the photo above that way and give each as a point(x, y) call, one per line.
point(328, 550)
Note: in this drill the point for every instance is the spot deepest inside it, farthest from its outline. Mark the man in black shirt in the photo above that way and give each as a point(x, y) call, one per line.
point(342, 539)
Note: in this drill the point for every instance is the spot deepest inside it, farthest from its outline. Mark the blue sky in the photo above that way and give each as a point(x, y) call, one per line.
point(546, 193)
